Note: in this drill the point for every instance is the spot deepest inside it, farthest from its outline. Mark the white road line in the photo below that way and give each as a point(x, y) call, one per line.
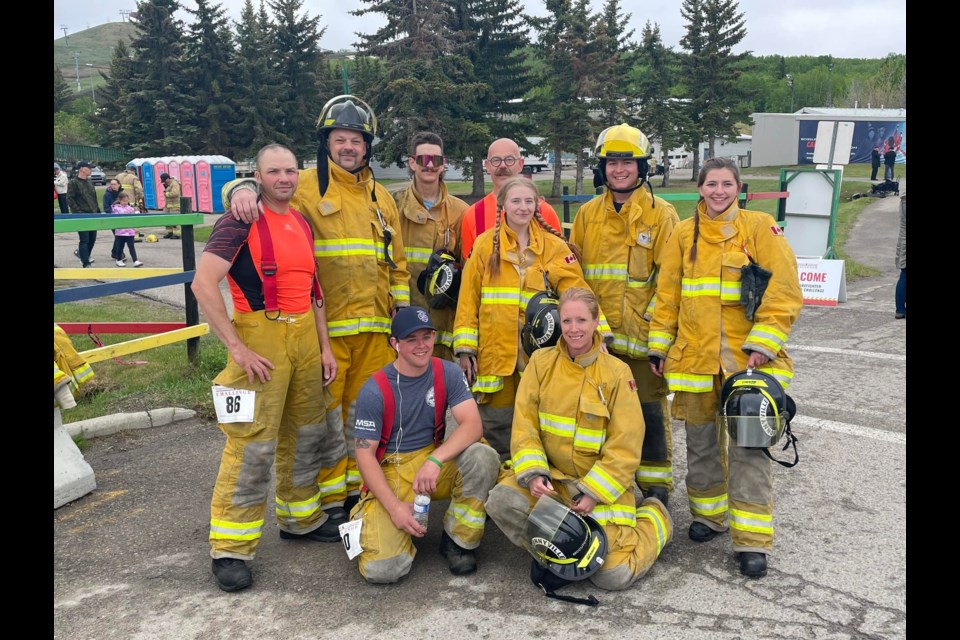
point(850, 429)
point(849, 352)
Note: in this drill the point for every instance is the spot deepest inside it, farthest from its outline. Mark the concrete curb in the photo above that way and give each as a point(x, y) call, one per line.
point(106, 425)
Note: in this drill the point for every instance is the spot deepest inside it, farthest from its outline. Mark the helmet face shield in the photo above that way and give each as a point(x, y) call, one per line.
point(569, 545)
point(440, 281)
point(347, 112)
point(753, 409)
point(542, 326)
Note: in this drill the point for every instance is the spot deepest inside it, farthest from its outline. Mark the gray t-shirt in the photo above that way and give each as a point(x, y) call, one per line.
point(413, 415)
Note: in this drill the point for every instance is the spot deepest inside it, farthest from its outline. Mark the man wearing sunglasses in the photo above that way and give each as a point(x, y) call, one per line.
point(430, 220)
point(503, 162)
point(362, 269)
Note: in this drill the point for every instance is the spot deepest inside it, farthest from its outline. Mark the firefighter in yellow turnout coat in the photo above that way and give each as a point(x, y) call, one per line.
point(577, 429)
point(621, 235)
point(430, 220)
point(362, 267)
point(700, 334)
point(492, 304)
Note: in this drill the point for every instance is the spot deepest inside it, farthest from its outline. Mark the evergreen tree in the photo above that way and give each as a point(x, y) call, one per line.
point(712, 71)
point(427, 84)
point(161, 113)
point(367, 73)
point(61, 90)
point(112, 119)
point(210, 73)
point(612, 63)
point(259, 86)
point(295, 46)
point(496, 38)
point(659, 115)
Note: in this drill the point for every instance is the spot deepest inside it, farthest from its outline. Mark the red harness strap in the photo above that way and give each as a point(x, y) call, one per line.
point(439, 402)
point(268, 264)
point(480, 217)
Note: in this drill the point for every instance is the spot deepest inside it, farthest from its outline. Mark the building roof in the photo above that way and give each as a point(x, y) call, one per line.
point(837, 111)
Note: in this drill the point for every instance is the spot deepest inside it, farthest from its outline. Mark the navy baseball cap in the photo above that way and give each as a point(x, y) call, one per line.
point(84, 164)
point(408, 320)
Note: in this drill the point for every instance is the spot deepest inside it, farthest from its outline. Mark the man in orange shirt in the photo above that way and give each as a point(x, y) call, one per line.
point(503, 162)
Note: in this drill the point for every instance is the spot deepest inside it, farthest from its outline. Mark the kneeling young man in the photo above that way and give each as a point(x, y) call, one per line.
point(459, 467)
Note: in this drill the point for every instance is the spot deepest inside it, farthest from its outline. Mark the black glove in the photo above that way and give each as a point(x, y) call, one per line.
point(656, 361)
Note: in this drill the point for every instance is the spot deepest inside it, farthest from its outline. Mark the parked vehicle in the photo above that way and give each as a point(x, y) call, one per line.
point(97, 176)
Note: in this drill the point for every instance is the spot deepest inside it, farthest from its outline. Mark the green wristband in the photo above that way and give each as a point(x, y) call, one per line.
point(435, 461)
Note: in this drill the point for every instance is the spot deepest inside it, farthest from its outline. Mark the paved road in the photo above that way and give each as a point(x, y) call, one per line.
point(131, 559)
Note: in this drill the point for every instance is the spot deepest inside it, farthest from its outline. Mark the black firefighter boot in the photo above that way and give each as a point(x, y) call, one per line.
point(753, 564)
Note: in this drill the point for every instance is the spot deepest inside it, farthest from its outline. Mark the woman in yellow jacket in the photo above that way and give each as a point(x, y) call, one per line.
point(508, 265)
point(701, 333)
point(577, 433)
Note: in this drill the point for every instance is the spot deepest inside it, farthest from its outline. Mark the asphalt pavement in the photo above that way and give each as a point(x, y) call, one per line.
point(131, 558)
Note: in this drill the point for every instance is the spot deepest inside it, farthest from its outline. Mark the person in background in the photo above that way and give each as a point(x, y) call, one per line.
point(577, 431)
point(171, 194)
point(363, 266)
point(124, 237)
point(60, 181)
point(415, 460)
point(889, 160)
point(82, 198)
point(430, 221)
point(109, 197)
point(622, 235)
point(519, 257)
point(901, 291)
point(874, 163)
point(700, 334)
point(503, 162)
point(278, 349)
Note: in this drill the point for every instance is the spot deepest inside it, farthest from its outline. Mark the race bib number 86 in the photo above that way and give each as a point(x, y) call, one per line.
point(233, 405)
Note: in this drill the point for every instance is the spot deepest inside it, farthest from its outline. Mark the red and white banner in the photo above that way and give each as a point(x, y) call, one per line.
point(823, 282)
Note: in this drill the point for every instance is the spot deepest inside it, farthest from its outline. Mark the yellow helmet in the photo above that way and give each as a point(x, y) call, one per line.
point(622, 141)
point(151, 238)
point(342, 112)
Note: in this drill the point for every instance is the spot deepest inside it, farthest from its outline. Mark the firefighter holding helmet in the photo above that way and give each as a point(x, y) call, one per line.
point(577, 434)
point(362, 268)
point(622, 235)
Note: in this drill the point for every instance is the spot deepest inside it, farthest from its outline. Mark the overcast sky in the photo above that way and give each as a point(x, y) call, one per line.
point(841, 28)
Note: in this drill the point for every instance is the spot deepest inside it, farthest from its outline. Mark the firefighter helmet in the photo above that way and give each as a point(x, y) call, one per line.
point(754, 409)
point(151, 238)
point(542, 326)
point(569, 545)
point(440, 281)
point(342, 112)
point(622, 141)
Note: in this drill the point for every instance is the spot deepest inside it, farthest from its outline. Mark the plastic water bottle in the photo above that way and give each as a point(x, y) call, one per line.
point(421, 509)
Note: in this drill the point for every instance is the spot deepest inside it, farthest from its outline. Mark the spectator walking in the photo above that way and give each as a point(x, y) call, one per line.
point(60, 183)
point(279, 359)
point(889, 160)
point(109, 197)
point(124, 237)
point(82, 198)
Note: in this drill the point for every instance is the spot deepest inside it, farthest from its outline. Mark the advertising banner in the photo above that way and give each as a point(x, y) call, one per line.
point(866, 135)
point(823, 282)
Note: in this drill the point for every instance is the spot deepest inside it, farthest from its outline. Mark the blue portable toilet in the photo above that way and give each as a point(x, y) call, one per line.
point(222, 171)
point(149, 178)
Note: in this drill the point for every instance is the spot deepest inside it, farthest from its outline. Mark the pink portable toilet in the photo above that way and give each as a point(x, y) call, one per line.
point(188, 181)
point(159, 167)
point(204, 180)
point(173, 168)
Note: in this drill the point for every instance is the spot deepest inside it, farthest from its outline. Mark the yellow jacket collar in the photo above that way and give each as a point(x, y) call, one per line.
point(720, 228)
point(420, 214)
point(587, 358)
point(509, 242)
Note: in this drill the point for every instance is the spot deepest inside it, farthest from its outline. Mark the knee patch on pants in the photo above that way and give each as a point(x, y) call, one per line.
point(479, 466)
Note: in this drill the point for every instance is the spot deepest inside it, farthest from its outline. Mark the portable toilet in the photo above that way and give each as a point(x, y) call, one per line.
point(149, 180)
point(188, 182)
point(159, 167)
point(222, 171)
point(201, 168)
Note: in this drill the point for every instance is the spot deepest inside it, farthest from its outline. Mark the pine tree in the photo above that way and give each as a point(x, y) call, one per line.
point(611, 63)
point(259, 87)
point(210, 73)
point(428, 83)
point(711, 71)
point(61, 90)
point(295, 42)
point(496, 38)
point(161, 113)
point(112, 119)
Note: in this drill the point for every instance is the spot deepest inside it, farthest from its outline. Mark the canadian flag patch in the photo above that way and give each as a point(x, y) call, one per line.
point(632, 384)
point(570, 258)
point(777, 231)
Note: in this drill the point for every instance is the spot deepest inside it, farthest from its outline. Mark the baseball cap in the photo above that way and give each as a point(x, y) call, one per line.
point(83, 163)
point(408, 320)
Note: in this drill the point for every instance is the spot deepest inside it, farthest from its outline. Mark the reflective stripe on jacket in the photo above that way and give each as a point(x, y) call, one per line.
point(621, 255)
point(580, 420)
point(714, 334)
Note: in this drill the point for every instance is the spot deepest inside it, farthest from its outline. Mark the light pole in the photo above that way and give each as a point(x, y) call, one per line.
point(790, 84)
point(830, 85)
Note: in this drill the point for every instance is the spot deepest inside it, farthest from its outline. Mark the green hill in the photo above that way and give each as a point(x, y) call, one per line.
point(94, 47)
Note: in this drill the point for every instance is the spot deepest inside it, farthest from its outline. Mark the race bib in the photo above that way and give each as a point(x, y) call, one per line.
point(233, 405)
point(350, 536)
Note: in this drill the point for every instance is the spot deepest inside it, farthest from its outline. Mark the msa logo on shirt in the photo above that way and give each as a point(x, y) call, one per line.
point(370, 424)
